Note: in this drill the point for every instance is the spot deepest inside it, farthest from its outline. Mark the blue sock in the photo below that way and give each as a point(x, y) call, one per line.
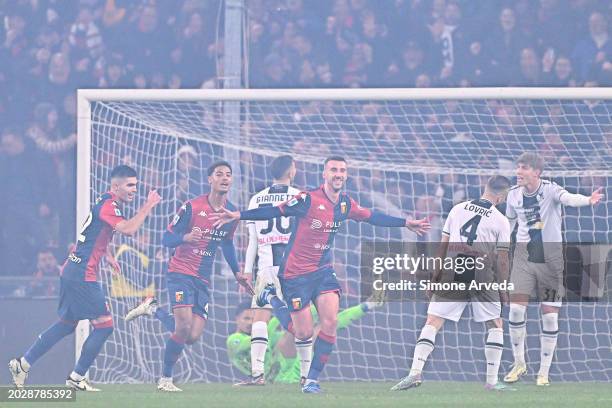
point(92, 347)
point(323, 347)
point(281, 312)
point(48, 339)
point(166, 319)
point(174, 348)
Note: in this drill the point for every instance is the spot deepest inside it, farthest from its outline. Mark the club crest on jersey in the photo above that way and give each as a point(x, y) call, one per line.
point(202, 213)
point(343, 208)
point(178, 296)
point(296, 303)
point(321, 207)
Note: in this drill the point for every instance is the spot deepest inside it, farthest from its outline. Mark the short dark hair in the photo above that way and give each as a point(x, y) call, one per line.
point(498, 184)
point(334, 158)
point(218, 163)
point(123, 171)
point(280, 165)
point(532, 160)
point(245, 305)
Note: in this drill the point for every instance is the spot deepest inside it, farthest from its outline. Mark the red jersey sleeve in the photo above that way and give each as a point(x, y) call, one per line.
point(110, 213)
point(357, 212)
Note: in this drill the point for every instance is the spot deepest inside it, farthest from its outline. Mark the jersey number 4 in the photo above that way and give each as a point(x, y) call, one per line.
point(469, 229)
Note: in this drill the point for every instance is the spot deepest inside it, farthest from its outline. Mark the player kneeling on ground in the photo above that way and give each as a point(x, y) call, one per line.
point(282, 362)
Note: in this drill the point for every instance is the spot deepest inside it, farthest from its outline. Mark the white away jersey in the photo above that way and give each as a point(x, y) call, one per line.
point(272, 235)
point(538, 214)
point(478, 226)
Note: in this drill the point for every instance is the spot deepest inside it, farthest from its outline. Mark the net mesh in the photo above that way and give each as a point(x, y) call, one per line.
point(406, 158)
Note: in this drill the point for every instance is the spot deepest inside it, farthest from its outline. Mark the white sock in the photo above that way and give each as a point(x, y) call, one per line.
point(493, 351)
point(76, 376)
point(518, 331)
point(548, 341)
point(259, 344)
point(424, 346)
point(304, 351)
point(25, 366)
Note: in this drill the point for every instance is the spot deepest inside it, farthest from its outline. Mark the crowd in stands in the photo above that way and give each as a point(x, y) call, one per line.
point(50, 48)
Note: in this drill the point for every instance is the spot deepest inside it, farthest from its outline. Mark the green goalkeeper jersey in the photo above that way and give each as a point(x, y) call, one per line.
point(279, 368)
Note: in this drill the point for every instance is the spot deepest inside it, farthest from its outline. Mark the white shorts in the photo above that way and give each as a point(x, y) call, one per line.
point(265, 276)
point(482, 311)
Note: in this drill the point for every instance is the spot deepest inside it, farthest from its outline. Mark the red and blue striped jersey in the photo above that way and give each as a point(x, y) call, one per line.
point(318, 220)
point(197, 258)
point(83, 262)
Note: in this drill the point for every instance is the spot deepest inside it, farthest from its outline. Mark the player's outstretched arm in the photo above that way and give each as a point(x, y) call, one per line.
point(297, 206)
point(383, 220)
point(579, 200)
point(226, 216)
point(596, 196)
point(359, 213)
point(129, 227)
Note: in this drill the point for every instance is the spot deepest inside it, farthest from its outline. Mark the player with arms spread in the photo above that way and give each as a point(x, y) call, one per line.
point(81, 296)
point(196, 241)
point(535, 204)
point(306, 273)
point(473, 229)
point(267, 242)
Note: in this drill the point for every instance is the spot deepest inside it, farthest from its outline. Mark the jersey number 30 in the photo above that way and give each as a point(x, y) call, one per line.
point(275, 222)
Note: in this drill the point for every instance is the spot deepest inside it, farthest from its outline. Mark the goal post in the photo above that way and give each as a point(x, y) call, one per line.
point(410, 152)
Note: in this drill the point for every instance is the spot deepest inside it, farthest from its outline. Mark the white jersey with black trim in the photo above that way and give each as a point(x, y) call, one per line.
point(476, 228)
point(539, 215)
point(272, 235)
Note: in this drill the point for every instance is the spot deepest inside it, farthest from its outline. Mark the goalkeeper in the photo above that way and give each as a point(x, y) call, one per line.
point(282, 364)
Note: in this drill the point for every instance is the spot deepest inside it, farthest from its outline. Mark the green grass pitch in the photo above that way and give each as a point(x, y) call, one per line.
point(348, 394)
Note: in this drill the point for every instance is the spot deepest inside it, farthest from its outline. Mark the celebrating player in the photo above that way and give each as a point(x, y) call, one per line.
point(282, 363)
point(473, 229)
point(196, 241)
point(267, 242)
point(538, 258)
point(306, 272)
point(81, 296)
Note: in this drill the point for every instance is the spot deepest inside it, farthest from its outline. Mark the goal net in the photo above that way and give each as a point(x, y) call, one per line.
point(410, 153)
